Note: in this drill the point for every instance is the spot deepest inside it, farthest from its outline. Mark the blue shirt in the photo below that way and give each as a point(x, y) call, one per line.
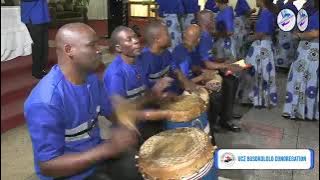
point(203, 51)
point(183, 60)
point(242, 8)
point(190, 6)
point(157, 66)
point(36, 12)
point(313, 23)
point(225, 19)
point(170, 7)
point(126, 80)
point(56, 108)
point(266, 22)
point(211, 5)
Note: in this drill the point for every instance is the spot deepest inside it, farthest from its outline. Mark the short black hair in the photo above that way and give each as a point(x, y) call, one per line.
point(114, 39)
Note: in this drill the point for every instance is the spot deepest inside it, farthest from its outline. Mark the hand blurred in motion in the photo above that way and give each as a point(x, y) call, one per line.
point(190, 86)
point(234, 68)
point(161, 85)
point(208, 74)
point(125, 111)
point(122, 139)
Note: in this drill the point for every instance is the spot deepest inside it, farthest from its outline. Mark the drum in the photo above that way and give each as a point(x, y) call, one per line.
point(215, 84)
point(177, 154)
point(188, 110)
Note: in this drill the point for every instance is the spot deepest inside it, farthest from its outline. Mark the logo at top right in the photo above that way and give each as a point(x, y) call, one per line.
point(287, 20)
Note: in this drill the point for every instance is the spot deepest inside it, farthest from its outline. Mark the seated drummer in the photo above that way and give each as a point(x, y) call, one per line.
point(222, 103)
point(126, 77)
point(182, 57)
point(157, 59)
point(61, 114)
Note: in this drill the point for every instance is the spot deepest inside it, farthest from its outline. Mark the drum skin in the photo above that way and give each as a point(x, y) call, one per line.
point(177, 154)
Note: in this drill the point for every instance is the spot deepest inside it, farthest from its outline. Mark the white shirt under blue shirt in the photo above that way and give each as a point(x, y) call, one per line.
point(62, 118)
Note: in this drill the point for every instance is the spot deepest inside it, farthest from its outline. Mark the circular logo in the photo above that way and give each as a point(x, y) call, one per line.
point(228, 159)
point(302, 20)
point(286, 20)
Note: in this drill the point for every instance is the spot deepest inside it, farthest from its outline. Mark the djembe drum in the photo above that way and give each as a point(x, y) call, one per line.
point(188, 110)
point(177, 154)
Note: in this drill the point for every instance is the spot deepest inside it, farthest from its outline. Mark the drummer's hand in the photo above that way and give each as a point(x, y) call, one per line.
point(122, 139)
point(190, 86)
point(234, 67)
point(208, 74)
point(161, 85)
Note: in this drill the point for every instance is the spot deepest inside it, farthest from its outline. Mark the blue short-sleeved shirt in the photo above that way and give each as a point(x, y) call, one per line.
point(266, 22)
point(157, 66)
point(190, 6)
point(313, 23)
point(183, 60)
point(126, 80)
point(242, 7)
point(55, 109)
point(170, 7)
point(211, 5)
point(203, 51)
point(36, 12)
point(224, 20)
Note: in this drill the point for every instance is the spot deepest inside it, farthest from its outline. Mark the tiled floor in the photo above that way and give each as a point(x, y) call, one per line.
point(261, 129)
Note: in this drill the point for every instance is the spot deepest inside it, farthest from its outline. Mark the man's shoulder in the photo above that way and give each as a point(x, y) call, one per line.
point(47, 90)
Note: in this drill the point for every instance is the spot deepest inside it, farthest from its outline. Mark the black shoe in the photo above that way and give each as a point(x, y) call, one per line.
point(236, 115)
point(231, 127)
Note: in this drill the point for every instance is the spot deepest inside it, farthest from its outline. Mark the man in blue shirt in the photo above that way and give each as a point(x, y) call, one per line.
point(62, 111)
point(182, 57)
point(205, 58)
point(212, 6)
point(126, 76)
point(35, 14)
point(158, 61)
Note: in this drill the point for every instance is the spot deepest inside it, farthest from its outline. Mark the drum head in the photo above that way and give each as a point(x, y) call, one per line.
point(175, 154)
point(184, 108)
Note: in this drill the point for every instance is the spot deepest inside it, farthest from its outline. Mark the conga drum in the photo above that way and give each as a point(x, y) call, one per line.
point(177, 154)
point(188, 110)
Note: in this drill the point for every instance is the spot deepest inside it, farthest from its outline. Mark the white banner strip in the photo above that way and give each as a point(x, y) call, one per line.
point(264, 159)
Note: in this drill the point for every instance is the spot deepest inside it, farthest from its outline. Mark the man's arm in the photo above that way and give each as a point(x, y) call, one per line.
point(71, 164)
point(47, 132)
point(186, 83)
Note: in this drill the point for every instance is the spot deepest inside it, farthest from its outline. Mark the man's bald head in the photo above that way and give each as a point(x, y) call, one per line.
point(206, 19)
point(155, 30)
point(76, 44)
point(191, 36)
point(72, 33)
point(192, 30)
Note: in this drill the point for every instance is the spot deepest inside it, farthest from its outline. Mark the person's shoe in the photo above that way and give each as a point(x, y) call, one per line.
point(236, 115)
point(231, 127)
